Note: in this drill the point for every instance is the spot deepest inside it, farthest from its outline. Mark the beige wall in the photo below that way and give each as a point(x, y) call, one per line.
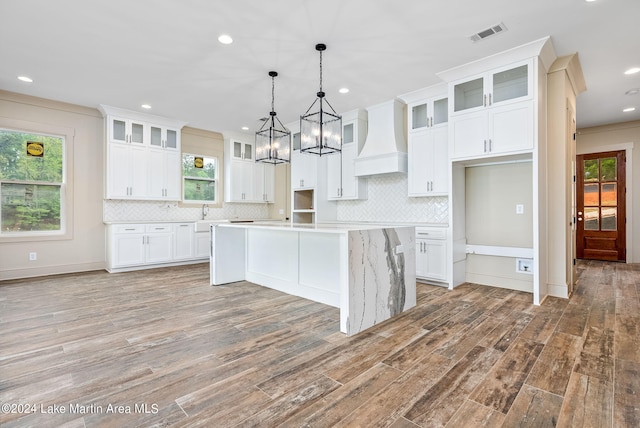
point(492, 192)
point(85, 248)
point(282, 203)
point(620, 136)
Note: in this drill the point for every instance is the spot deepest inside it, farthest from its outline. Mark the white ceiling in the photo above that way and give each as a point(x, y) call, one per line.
point(165, 52)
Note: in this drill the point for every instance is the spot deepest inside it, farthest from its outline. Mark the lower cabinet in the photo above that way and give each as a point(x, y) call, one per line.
point(140, 246)
point(431, 254)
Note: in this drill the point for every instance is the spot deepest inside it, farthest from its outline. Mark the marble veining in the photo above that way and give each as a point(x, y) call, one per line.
point(381, 275)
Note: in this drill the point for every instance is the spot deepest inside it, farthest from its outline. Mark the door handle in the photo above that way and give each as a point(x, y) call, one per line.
point(579, 218)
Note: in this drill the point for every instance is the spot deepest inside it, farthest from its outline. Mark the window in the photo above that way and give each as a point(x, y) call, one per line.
point(32, 183)
point(199, 174)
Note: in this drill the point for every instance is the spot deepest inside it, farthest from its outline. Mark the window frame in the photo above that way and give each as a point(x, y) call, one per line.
point(215, 180)
point(66, 186)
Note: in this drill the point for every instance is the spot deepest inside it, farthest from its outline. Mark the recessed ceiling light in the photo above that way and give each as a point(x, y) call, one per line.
point(627, 110)
point(25, 79)
point(245, 128)
point(633, 91)
point(589, 1)
point(147, 106)
point(343, 90)
point(633, 70)
point(225, 39)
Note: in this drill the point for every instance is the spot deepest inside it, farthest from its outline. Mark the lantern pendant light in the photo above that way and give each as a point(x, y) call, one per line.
point(273, 143)
point(321, 130)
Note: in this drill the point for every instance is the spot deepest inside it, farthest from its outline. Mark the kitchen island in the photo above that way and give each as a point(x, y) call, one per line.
point(367, 271)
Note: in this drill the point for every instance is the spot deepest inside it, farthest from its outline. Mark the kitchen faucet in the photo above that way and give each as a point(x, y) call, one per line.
point(205, 210)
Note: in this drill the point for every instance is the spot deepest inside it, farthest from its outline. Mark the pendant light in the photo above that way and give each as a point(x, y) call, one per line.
point(273, 143)
point(320, 130)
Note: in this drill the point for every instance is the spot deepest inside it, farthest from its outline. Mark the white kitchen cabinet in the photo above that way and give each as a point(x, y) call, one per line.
point(139, 244)
point(164, 137)
point(202, 244)
point(159, 243)
point(304, 170)
point(431, 254)
point(264, 182)
point(148, 245)
point(164, 174)
point(142, 156)
point(342, 183)
point(428, 141)
point(127, 171)
point(246, 180)
point(241, 150)
point(493, 113)
point(127, 131)
point(184, 237)
point(428, 162)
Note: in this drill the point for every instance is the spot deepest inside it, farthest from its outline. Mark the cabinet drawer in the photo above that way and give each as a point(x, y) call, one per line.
point(157, 228)
point(431, 233)
point(128, 228)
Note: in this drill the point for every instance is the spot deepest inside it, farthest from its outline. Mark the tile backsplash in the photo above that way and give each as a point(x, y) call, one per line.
point(121, 210)
point(388, 202)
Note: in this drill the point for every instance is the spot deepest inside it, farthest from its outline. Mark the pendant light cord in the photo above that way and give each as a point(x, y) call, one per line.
point(320, 71)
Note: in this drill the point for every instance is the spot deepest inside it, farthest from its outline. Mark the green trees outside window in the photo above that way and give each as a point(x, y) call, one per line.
point(199, 176)
point(31, 180)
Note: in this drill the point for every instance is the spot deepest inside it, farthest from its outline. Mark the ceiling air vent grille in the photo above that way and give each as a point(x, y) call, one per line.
point(488, 32)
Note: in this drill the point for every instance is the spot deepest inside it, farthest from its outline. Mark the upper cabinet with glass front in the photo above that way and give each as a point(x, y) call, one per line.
point(126, 131)
point(242, 150)
point(164, 138)
point(501, 86)
point(428, 113)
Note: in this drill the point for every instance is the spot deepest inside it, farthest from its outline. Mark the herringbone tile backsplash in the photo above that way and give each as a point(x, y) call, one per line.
point(388, 202)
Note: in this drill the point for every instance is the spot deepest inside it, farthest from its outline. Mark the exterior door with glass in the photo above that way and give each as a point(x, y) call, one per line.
point(601, 206)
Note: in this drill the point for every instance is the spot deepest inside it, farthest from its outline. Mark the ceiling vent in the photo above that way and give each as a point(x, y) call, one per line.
point(488, 32)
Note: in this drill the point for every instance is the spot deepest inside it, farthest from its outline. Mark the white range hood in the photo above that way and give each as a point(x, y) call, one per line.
point(385, 149)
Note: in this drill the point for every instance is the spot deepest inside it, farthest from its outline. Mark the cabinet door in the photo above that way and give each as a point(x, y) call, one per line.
point(241, 186)
point(202, 244)
point(512, 83)
point(420, 160)
point(419, 116)
point(139, 172)
point(350, 183)
point(128, 249)
point(156, 173)
point(171, 139)
point(269, 184)
point(172, 176)
point(258, 194)
point(156, 137)
point(118, 130)
point(183, 246)
point(468, 135)
point(440, 160)
point(421, 258)
point(469, 95)
point(511, 127)
point(118, 171)
point(304, 170)
point(159, 247)
point(334, 175)
point(436, 258)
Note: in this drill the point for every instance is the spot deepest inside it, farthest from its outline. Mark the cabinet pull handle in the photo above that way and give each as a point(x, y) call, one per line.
point(485, 146)
point(489, 99)
point(489, 144)
point(432, 121)
point(131, 229)
point(484, 100)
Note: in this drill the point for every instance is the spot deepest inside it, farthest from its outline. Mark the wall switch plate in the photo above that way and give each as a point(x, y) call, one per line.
point(280, 211)
point(519, 209)
point(33, 256)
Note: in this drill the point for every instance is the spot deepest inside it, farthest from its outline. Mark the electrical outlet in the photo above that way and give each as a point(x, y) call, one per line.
point(280, 211)
point(519, 209)
point(33, 256)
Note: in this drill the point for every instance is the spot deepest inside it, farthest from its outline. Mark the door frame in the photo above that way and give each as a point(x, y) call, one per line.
point(628, 148)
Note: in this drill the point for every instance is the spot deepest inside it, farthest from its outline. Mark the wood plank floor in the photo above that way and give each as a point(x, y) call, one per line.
point(163, 348)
